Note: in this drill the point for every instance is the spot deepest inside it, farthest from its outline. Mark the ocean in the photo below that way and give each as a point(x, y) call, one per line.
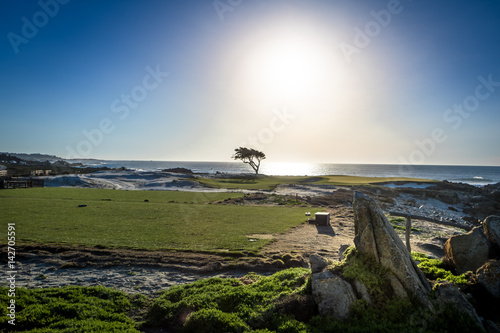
point(474, 175)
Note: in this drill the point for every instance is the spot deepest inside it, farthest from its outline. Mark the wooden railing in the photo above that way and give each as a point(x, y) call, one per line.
point(409, 217)
point(424, 218)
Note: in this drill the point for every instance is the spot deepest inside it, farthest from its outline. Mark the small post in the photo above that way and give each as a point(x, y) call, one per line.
point(408, 232)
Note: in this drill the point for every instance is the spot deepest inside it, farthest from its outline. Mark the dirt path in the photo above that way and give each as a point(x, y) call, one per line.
point(307, 239)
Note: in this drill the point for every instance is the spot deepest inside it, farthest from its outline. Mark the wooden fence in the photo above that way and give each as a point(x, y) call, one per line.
point(25, 183)
point(409, 217)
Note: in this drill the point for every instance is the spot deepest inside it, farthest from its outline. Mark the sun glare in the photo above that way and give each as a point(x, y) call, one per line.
point(287, 169)
point(288, 66)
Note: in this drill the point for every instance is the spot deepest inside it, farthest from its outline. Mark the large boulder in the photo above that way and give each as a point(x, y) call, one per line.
point(318, 263)
point(467, 252)
point(488, 276)
point(491, 227)
point(448, 294)
point(449, 197)
point(376, 237)
point(333, 295)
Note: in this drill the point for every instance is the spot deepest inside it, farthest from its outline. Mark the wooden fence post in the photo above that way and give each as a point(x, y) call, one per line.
point(408, 232)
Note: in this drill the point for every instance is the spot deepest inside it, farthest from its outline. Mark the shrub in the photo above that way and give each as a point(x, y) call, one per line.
point(250, 300)
point(213, 320)
point(435, 269)
point(366, 270)
point(70, 309)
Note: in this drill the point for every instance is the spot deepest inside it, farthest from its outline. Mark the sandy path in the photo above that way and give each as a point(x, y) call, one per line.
point(307, 239)
point(327, 240)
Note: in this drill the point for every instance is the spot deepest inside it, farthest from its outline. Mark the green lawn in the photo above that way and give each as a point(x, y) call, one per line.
point(170, 220)
point(270, 182)
point(259, 183)
point(355, 180)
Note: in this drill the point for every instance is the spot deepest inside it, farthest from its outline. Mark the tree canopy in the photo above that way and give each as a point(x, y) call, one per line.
point(250, 156)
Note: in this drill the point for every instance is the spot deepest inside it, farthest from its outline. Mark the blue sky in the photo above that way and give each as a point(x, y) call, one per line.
point(414, 82)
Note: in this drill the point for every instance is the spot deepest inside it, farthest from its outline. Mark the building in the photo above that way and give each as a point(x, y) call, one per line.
point(40, 172)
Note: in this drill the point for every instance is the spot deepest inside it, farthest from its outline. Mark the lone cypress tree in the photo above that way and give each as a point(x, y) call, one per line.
point(250, 156)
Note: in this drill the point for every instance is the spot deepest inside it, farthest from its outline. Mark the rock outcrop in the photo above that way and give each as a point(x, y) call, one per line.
point(318, 263)
point(488, 276)
point(333, 295)
point(375, 237)
point(478, 251)
point(467, 252)
point(377, 242)
point(448, 294)
point(491, 227)
point(380, 269)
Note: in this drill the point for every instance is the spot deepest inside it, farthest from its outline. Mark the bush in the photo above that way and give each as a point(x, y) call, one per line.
point(212, 320)
point(366, 270)
point(70, 309)
point(251, 300)
point(435, 269)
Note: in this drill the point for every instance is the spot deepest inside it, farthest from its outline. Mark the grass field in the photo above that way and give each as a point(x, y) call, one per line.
point(270, 182)
point(169, 220)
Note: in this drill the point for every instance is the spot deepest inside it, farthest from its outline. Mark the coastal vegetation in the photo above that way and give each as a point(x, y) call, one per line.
point(235, 305)
point(399, 224)
point(437, 270)
point(281, 302)
point(263, 182)
point(71, 309)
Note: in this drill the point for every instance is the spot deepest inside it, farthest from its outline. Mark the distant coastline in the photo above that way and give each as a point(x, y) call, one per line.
point(474, 175)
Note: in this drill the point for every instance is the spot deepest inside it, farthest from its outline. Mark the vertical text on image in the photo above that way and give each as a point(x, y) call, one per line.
point(11, 272)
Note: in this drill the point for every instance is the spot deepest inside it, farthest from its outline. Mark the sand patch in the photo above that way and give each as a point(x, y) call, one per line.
point(261, 236)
